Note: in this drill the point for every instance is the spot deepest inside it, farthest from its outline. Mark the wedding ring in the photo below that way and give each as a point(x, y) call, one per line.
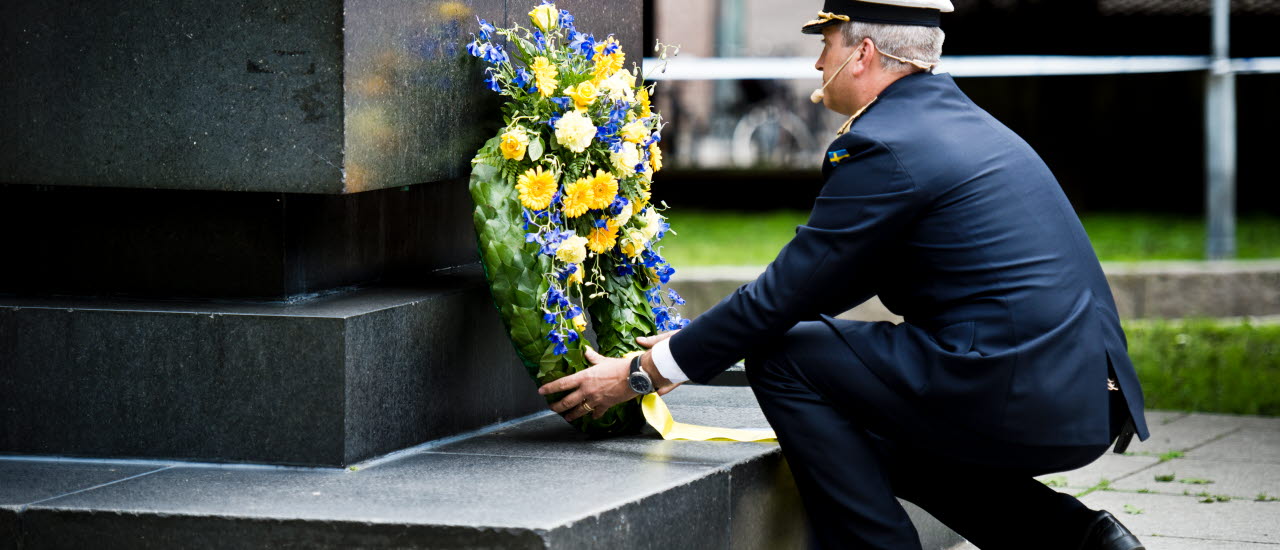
point(587, 406)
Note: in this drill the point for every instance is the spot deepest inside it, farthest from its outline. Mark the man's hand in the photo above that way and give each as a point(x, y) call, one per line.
point(604, 383)
point(594, 389)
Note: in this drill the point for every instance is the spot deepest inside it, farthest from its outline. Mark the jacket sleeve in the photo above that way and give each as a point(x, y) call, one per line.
point(865, 203)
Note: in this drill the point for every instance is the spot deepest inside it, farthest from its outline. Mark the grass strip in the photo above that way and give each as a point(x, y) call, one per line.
point(1207, 365)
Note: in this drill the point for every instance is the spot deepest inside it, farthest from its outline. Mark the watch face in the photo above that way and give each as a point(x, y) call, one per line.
point(640, 383)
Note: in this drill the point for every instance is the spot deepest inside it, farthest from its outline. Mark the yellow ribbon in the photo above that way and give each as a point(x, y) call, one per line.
point(659, 416)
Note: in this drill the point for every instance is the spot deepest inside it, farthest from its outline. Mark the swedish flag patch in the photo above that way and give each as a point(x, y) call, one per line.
point(836, 157)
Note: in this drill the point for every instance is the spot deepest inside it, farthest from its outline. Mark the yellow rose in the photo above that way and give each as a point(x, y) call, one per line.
point(514, 143)
point(545, 17)
point(583, 95)
point(635, 132)
point(576, 277)
point(572, 250)
point(633, 244)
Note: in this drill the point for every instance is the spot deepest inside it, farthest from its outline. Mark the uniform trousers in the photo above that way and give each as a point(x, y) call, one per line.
point(853, 444)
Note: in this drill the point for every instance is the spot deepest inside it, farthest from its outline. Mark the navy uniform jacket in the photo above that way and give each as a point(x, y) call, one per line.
point(959, 227)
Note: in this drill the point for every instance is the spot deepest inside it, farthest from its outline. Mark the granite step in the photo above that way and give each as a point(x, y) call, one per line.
point(327, 381)
point(533, 483)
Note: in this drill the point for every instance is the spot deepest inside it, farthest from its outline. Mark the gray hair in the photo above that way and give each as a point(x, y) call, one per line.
point(911, 42)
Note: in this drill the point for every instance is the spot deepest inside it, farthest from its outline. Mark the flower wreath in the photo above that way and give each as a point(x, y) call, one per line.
point(563, 205)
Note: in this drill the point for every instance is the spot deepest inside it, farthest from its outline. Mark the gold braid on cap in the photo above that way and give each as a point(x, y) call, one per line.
point(825, 16)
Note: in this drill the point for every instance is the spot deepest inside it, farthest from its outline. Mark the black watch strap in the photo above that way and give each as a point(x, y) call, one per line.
point(635, 363)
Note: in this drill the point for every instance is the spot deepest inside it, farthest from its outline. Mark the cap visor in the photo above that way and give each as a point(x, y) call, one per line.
point(816, 27)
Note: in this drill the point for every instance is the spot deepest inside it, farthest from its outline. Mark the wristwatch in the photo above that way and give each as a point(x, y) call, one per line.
point(638, 379)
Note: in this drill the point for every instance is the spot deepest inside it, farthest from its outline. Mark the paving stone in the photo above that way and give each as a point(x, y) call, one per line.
point(1187, 517)
point(1248, 444)
point(1110, 466)
point(1237, 479)
point(1185, 433)
point(1160, 418)
point(23, 482)
point(1177, 543)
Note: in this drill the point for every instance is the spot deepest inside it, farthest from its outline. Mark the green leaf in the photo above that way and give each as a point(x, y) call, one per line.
point(535, 148)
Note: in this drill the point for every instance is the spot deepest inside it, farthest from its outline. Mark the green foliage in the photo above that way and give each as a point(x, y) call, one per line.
point(1165, 478)
point(1208, 365)
point(1132, 510)
point(517, 284)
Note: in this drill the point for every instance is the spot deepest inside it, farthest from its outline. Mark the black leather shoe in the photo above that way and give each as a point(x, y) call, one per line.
point(1107, 533)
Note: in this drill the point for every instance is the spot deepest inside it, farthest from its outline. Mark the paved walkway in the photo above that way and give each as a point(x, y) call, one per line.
point(1202, 481)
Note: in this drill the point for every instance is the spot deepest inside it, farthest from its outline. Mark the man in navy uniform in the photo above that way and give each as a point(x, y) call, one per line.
point(1010, 362)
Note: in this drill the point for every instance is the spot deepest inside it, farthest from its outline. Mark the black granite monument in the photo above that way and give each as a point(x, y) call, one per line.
point(239, 231)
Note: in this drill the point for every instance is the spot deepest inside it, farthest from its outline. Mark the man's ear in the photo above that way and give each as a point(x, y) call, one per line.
point(862, 56)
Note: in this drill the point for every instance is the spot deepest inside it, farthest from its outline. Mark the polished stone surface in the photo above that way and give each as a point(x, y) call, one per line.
point(330, 381)
point(227, 246)
point(535, 484)
point(285, 95)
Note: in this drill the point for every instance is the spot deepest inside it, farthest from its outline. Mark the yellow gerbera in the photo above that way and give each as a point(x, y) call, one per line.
point(544, 76)
point(645, 110)
point(655, 156)
point(536, 188)
point(583, 95)
point(602, 239)
point(604, 189)
point(578, 198)
point(606, 65)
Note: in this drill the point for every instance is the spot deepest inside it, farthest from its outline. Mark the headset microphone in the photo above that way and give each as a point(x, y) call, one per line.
point(820, 93)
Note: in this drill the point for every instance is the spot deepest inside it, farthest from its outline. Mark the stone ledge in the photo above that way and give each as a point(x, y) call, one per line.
point(535, 484)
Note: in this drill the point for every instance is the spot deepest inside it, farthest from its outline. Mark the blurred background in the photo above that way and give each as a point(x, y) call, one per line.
point(1129, 149)
point(1115, 95)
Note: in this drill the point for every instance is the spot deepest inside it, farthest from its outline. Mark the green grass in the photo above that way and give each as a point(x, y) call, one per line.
point(709, 238)
point(1208, 365)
